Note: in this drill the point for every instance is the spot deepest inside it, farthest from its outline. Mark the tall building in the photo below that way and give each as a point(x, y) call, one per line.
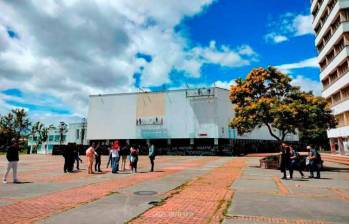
point(331, 26)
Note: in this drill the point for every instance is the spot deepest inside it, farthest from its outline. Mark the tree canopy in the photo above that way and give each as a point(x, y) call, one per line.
point(267, 98)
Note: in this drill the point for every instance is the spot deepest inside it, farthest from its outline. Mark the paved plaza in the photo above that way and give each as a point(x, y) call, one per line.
point(182, 190)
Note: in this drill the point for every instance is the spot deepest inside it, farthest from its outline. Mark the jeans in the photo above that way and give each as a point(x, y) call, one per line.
point(313, 166)
point(12, 165)
point(152, 158)
point(98, 164)
point(295, 166)
point(115, 164)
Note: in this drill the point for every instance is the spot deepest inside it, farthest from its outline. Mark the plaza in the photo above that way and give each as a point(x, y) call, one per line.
point(182, 190)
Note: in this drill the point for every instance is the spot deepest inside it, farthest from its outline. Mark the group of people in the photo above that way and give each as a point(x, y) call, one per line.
point(71, 155)
point(291, 160)
point(117, 153)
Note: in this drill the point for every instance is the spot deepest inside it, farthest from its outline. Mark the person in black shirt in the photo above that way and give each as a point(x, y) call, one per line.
point(285, 159)
point(12, 156)
point(98, 155)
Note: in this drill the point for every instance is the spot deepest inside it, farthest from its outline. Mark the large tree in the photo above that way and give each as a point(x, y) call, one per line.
point(266, 98)
point(21, 122)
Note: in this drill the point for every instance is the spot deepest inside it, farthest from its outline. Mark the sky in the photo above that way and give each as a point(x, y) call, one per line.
point(52, 58)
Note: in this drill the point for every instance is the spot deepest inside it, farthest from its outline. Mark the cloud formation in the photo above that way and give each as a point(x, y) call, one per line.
point(72, 48)
point(307, 63)
point(287, 26)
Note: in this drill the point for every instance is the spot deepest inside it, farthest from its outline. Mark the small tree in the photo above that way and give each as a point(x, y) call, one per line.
point(267, 98)
point(63, 128)
point(36, 132)
point(7, 128)
point(21, 122)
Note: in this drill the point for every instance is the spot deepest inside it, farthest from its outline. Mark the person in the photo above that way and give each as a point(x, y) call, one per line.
point(314, 162)
point(98, 154)
point(115, 156)
point(90, 153)
point(68, 159)
point(77, 158)
point(294, 162)
point(124, 152)
point(12, 156)
point(285, 159)
point(134, 159)
point(109, 150)
point(151, 155)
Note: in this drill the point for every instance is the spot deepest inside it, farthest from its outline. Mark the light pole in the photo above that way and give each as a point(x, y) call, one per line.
point(83, 129)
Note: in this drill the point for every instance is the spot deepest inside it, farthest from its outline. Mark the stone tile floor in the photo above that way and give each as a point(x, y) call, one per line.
point(182, 190)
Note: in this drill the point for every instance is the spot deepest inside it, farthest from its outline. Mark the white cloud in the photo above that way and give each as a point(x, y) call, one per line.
point(307, 84)
point(308, 63)
point(289, 25)
point(275, 38)
point(70, 49)
point(224, 84)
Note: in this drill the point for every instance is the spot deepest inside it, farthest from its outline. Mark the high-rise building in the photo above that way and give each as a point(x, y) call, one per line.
point(331, 26)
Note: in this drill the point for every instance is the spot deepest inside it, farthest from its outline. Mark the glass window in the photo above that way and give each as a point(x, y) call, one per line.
point(57, 138)
point(51, 138)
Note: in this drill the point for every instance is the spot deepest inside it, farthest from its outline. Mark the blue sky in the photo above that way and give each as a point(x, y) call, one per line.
point(51, 59)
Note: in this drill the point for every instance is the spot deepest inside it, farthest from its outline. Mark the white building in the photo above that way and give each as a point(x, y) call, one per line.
point(76, 133)
point(331, 25)
point(177, 117)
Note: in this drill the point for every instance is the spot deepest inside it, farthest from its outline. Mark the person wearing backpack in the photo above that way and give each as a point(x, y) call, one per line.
point(151, 155)
point(134, 159)
point(313, 162)
point(295, 162)
point(90, 154)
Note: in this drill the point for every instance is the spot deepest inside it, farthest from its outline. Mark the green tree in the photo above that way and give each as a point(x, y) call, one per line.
point(21, 122)
point(36, 132)
point(7, 128)
point(267, 98)
point(62, 128)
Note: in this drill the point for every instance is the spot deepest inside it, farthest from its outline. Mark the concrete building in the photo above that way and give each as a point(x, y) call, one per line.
point(76, 133)
point(331, 26)
point(192, 118)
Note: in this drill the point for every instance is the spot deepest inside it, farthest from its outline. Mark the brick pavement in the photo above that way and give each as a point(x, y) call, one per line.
point(203, 200)
point(37, 208)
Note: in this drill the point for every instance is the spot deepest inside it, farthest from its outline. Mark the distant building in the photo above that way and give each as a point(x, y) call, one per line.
point(331, 25)
point(76, 133)
point(192, 118)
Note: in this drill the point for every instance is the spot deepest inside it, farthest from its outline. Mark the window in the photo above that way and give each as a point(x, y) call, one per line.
point(51, 138)
point(57, 138)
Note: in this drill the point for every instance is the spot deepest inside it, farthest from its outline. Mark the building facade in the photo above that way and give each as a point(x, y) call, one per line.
point(76, 133)
point(331, 26)
point(185, 117)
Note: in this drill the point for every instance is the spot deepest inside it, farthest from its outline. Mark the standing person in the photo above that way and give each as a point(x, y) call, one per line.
point(90, 153)
point(77, 158)
point(109, 157)
point(151, 155)
point(134, 159)
point(313, 162)
point(67, 159)
point(12, 156)
point(115, 156)
point(124, 152)
point(294, 162)
point(98, 154)
point(285, 159)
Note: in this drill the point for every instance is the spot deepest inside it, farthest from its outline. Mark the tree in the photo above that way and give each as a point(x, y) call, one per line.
point(7, 128)
point(21, 122)
point(267, 98)
point(63, 128)
point(37, 133)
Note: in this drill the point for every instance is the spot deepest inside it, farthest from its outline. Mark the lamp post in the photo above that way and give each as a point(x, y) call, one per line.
point(83, 129)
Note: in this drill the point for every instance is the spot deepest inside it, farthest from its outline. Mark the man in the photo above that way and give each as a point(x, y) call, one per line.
point(98, 158)
point(12, 156)
point(151, 155)
point(285, 159)
point(295, 162)
point(77, 158)
point(313, 162)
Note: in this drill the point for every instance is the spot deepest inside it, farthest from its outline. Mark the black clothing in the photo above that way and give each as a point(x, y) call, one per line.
point(12, 153)
point(69, 159)
point(295, 163)
point(98, 151)
point(152, 158)
point(285, 160)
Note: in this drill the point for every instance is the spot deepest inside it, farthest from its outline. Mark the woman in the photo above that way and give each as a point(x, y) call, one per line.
point(115, 156)
point(295, 162)
point(134, 159)
point(90, 154)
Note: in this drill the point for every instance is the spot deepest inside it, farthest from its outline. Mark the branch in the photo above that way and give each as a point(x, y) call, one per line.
point(271, 132)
